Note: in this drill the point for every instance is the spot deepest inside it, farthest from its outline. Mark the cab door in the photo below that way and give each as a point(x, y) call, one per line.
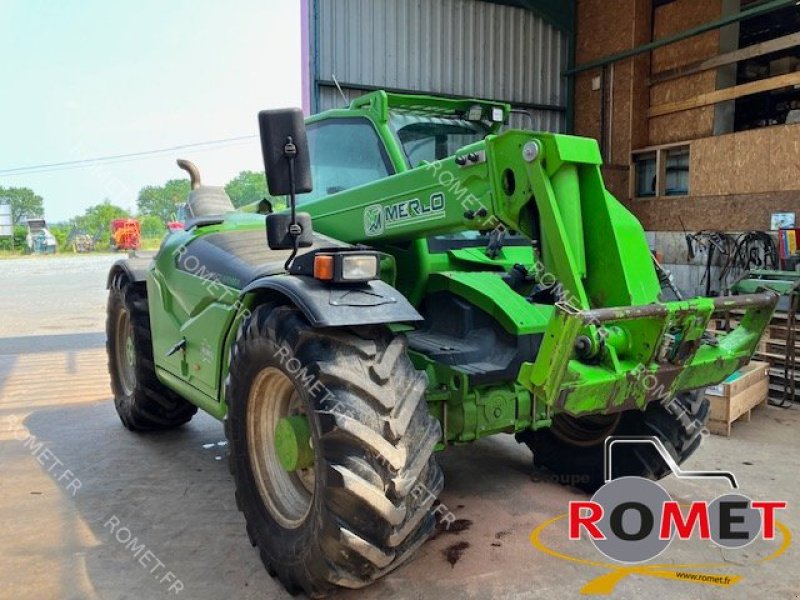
point(345, 152)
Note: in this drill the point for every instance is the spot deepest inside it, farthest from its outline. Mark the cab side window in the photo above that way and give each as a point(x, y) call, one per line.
point(345, 153)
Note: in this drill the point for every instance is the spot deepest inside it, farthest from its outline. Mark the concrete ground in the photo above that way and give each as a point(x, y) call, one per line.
point(75, 486)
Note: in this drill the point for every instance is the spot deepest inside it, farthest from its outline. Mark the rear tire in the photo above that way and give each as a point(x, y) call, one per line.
point(142, 401)
point(572, 448)
point(363, 507)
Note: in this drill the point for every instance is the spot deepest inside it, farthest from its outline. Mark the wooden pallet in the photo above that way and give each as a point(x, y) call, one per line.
point(735, 400)
point(772, 349)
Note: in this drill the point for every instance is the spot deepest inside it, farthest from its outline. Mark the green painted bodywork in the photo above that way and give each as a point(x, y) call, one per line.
point(203, 310)
point(781, 282)
point(543, 186)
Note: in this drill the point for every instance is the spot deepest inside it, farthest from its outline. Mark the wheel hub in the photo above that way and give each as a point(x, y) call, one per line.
point(293, 443)
point(125, 353)
point(280, 448)
point(130, 353)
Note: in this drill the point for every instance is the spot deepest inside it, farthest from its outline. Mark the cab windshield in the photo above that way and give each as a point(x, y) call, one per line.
point(428, 138)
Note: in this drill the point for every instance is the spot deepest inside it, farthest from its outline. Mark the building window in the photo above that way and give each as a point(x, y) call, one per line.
point(677, 172)
point(661, 171)
point(645, 168)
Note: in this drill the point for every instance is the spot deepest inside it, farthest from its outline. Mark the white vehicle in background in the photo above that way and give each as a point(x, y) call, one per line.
point(39, 239)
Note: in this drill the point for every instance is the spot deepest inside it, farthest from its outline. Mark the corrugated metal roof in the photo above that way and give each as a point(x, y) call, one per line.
point(448, 47)
point(560, 13)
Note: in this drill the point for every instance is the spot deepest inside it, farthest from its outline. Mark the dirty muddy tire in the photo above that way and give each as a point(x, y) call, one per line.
point(142, 401)
point(572, 449)
point(352, 499)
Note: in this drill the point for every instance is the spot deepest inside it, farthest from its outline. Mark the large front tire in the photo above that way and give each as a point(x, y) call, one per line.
point(142, 401)
point(361, 505)
point(572, 448)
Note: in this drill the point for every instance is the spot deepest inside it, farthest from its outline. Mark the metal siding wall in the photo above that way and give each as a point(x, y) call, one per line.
point(452, 47)
point(329, 97)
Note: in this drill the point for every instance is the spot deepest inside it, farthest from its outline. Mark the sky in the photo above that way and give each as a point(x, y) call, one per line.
point(93, 78)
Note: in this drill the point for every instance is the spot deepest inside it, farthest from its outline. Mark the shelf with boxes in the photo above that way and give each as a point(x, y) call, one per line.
point(775, 351)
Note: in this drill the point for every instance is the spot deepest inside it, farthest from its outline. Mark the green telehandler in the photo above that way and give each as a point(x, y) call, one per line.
point(437, 278)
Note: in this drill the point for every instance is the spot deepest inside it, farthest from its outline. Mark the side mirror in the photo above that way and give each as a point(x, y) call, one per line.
point(288, 168)
point(285, 150)
point(279, 236)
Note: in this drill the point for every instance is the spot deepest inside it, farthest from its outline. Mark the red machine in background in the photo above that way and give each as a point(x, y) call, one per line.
point(126, 234)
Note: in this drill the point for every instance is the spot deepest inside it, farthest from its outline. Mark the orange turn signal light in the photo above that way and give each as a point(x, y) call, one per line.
point(323, 267)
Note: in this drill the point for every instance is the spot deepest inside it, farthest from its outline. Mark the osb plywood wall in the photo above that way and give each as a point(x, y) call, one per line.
point(670, 19)
point(597, 38)
point(751, 162)
point(601, 32)
point(740, 212)
point(606, 27)
point(738, 180)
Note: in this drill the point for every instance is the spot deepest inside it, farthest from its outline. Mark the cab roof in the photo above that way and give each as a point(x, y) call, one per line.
point(380, 103)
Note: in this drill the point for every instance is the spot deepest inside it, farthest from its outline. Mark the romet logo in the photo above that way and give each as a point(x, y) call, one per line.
point(632, 520)
point(378, 217)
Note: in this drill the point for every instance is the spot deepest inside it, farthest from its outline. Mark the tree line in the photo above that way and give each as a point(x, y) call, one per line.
point(156, 206)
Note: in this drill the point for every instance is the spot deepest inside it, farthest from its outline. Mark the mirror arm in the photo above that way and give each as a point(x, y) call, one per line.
point(290, 152)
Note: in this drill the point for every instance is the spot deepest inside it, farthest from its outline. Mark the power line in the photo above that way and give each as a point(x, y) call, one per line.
point(112, 161)
point(119, 158)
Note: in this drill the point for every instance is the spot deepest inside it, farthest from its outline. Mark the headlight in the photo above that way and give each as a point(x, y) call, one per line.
point(475, 113)
point(340, 267)
point(359, 267)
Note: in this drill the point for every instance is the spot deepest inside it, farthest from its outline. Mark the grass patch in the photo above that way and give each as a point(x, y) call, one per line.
point(147, 245)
